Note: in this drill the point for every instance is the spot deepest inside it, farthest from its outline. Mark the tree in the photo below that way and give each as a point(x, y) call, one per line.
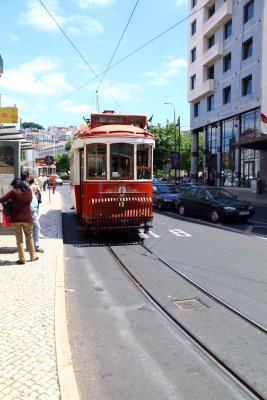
point(165, 144)
point(68, 145)
point(62, 162)
point(31, 125)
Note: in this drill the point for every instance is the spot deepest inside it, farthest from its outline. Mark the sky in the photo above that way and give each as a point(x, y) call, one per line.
point(66, 59)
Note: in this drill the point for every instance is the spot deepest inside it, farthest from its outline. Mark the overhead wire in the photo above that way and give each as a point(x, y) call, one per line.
point(117, 46)
point(124, 58)
point(77, 50)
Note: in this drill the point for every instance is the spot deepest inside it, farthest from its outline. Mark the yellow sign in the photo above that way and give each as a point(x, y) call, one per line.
point(8, 115)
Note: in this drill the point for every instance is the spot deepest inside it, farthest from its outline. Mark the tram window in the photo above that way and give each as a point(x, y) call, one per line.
point(144, 161)
point(96, 161)
point(121, 161)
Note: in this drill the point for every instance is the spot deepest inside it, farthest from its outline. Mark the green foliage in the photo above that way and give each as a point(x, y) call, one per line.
point(62, 163)
point(165, 143)
point(31, 125)
point(68, 145)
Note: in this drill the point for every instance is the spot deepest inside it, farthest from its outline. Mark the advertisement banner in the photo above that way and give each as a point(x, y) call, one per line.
point(8, 115)
point(175, 160)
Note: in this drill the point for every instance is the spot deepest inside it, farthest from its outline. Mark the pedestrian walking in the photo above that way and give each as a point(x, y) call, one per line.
point(40, 181)
point(54, 185)
point(35, 216)
point(21, 217)
point(44, 182)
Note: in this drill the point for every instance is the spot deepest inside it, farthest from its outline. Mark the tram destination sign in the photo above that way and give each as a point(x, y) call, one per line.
point(49, 160)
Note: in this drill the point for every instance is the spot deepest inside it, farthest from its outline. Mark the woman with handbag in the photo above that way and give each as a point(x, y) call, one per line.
point(21, 217)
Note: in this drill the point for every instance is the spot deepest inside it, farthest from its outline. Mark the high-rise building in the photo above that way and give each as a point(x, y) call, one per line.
point(227, 89)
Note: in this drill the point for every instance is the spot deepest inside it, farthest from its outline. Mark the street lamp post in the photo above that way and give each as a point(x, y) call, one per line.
point(174, 123)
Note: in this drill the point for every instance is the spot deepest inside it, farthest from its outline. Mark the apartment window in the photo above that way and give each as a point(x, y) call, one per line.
point(211, 41)
point(193, 27)
point(196, 109)
point(247, 85)
point(227, 62)
point(193, 81)
point(193, 54)
point(211, 10)
point(194, 3)
point(228, 29)
point(248, 11)
point(210, 103)
point(227, 95)
point(247, 48)
point(210, 74)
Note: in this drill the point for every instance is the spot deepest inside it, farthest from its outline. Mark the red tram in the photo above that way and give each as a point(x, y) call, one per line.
point(111, 172)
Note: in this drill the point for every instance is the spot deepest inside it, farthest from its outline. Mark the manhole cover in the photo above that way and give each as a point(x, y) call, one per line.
point(189, 304)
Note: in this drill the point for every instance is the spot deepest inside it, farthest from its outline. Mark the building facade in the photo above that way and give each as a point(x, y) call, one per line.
point(227, 90)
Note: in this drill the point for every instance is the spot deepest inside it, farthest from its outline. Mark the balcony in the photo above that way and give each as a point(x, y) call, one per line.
point(218, 19)
point(212, 54)
point(204, 90)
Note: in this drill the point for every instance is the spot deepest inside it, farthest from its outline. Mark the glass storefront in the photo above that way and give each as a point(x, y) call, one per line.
point(250, 128)
point(228, 162)
point(212, 154)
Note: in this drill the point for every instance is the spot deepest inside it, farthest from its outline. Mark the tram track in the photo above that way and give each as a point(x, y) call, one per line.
point(231, 372)
point(208, 293)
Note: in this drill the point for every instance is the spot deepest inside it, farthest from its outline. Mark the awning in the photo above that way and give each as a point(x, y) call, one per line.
point(255, 143)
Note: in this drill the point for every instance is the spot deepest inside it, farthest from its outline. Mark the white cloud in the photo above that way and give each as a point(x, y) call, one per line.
point(13, 38)
point(181, 2)
point(85, 24)
point(168, 71)
point(38, 18)
point(93, 3)
point(121, 92)
point(68, 106)
point(37, 77)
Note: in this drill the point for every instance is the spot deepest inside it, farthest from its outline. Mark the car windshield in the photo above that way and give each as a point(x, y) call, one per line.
point(168, 189)
point(220, 194)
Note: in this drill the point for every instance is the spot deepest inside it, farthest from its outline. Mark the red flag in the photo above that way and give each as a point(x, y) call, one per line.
point(263, 118)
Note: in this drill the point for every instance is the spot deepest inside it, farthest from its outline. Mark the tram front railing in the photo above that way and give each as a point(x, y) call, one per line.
point(115, 210)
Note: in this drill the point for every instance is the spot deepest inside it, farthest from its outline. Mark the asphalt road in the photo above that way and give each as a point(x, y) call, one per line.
point(122, 348)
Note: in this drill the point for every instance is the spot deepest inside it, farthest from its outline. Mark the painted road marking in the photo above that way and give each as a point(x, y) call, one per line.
point(154, 234)
point(179, 232)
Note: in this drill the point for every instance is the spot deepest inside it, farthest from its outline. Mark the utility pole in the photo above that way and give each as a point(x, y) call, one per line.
point(179, 148)
point(174, 127)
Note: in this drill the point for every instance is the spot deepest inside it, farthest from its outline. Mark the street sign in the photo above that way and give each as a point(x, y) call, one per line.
point(49, 160)
point(8, 115)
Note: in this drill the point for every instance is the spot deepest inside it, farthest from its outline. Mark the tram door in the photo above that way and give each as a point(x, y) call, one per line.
point(82, 188)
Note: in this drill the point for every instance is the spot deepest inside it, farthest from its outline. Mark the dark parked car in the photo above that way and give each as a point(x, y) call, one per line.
point(187, 185)
point(164, 195)
point(213, 202)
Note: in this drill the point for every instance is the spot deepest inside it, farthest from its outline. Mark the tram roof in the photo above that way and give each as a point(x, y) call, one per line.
point(113, 130)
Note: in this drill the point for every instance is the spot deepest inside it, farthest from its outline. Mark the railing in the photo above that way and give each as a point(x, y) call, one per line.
point(120, 211)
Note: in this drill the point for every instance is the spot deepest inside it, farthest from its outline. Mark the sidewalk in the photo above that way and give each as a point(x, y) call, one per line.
point(35, 360)
point(246, 195)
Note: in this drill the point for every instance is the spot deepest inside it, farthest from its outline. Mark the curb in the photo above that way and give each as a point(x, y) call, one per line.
point(67, 381)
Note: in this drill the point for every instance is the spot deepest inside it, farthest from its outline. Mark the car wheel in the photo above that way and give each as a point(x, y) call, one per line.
point(181, 209)
point(214, 216)
point(160, 206)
